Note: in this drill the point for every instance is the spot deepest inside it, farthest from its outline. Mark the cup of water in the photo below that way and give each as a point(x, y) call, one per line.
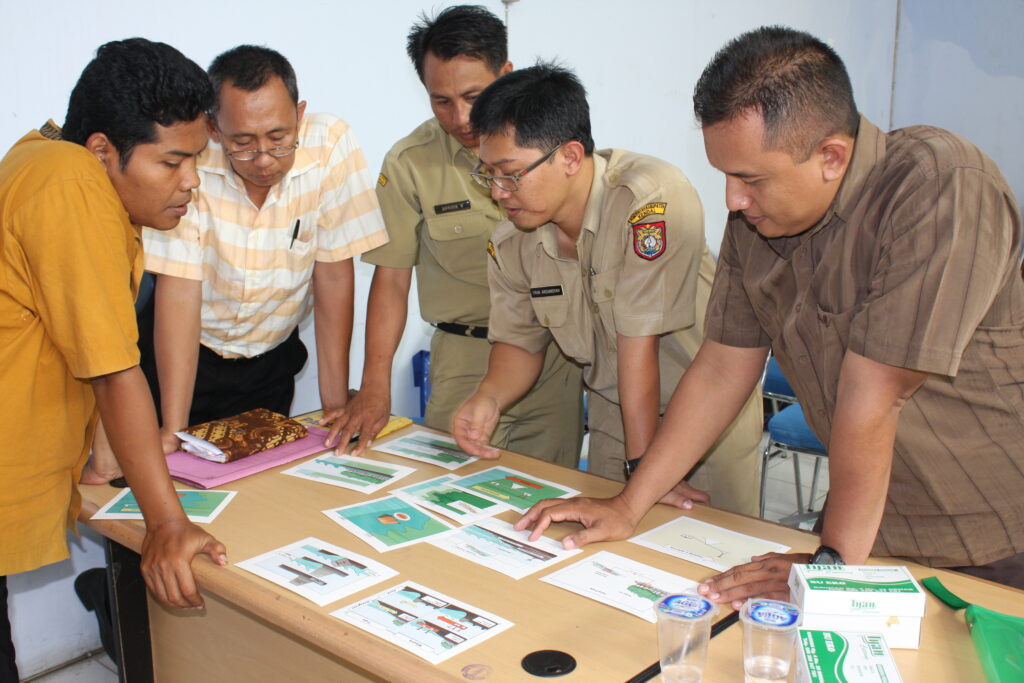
point(769, 637)
point(684, 629)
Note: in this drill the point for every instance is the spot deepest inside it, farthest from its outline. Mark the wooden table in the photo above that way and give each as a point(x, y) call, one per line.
point(253, 630)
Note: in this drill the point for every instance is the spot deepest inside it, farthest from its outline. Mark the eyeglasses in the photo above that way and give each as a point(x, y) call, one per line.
point(507, 183)
point(250, 154)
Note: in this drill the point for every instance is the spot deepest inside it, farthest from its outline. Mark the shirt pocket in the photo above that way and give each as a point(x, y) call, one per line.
point(602, 294)
point(833, 340)
point(553, 313)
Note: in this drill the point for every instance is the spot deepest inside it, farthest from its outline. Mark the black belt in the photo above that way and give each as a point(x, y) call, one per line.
point(461, 330)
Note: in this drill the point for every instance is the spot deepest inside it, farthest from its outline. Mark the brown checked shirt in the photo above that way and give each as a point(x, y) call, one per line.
point(916, 265)
point(643, 269)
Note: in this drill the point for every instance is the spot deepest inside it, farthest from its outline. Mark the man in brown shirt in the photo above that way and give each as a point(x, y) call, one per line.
point(604, 255)
point(882, 270)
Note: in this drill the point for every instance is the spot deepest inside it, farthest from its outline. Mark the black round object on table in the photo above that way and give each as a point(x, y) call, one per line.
point(549, 663)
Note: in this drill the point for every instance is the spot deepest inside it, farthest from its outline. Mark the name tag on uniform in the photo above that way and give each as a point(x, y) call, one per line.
point(550, 290)
point(451, 206)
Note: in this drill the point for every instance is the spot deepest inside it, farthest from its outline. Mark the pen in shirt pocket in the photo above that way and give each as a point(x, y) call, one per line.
point(295, 233)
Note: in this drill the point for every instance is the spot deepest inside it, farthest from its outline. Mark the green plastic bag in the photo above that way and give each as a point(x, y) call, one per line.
point(998, 638)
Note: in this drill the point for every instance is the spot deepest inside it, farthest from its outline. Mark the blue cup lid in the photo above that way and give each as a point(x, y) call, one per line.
point(686, 606)
point(771, 613)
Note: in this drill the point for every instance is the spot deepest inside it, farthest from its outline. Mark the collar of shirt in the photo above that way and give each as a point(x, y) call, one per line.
point(868, 152)
point(591, 215)
point(51, 130)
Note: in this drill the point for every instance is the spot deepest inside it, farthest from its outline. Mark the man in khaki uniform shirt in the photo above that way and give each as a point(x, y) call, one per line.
point(883, 271)
point(440, 222)
point(612, 265)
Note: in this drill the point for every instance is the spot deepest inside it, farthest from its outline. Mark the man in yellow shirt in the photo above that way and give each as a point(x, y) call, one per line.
point(71, 203)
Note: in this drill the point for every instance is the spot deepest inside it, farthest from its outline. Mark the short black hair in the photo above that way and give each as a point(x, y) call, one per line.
point(249, 67)
point(129, 87)
point(468, 30)
point(797, 83)
point(545, 104)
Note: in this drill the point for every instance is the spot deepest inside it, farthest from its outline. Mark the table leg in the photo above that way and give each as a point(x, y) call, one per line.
point(129, 614)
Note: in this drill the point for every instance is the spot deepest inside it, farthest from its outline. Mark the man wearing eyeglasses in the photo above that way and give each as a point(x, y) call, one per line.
point(286, 201)
point(604, 254)
point(440, 222)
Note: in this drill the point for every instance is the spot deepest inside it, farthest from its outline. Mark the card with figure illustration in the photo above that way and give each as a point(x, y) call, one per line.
point(620, 582)
point(429, 624)
point(705, 544)
point(429, 447)
point(494, 544)
point(513, 488)
point(317, 570)
point(350, 472)
point(201, 507)
point(388, 523)
point(438, 495)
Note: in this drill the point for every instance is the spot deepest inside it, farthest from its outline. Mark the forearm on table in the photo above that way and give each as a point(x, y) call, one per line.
point(126, 408)
point(178, 304)
point(511, 372)
point(639, 391)
point(710, 394)
point(333, 296)
point(386, 311)
point(869, 401)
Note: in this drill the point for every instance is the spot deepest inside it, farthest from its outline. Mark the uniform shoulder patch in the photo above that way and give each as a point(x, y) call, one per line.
point(648, 210)
point(493, 253)
point(382, 180)
point(649, 240)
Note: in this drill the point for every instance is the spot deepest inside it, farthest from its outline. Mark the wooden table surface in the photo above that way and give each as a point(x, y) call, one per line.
point(272, 510)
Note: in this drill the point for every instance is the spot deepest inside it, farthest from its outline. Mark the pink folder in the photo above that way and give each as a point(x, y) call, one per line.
point(203, 474)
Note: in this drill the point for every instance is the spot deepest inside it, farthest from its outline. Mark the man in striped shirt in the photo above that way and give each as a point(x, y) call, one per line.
point(286, 201)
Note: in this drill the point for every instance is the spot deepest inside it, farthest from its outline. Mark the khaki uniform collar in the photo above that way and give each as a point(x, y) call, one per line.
point(591, 215)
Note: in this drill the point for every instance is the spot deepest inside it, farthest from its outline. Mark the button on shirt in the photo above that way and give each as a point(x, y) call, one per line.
point(256, 263)
point(915, 265)
point(643, 269)
point(439, 220)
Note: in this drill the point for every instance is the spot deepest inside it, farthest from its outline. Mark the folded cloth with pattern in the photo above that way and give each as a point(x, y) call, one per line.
point(239, 436)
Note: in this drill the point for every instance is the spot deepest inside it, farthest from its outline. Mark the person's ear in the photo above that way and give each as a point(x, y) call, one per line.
point(835, 153)
point(572, 156)
point(505, 68)
point(299, 111)
point(103, 149)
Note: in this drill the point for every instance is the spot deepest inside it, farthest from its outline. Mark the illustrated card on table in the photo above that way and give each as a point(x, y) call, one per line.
point(388, 523)
point(317, 570)
point(427, 623)
point(438, 495)
point(494, 544)
point(201, 506)
point(620, 582)
point(427, 447)
point(350, 472)
point(513, 488)
point(705, 544)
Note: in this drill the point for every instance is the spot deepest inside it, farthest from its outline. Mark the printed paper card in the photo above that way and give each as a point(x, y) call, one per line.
point(438, 495)
point(705, 544)
point(427, 623)
point(513, 488)
point(388, 523)
point(494, 544)
point(317, 570)
point(427, 447)
point(620, 582)
point(201, 507)
point(350, 472)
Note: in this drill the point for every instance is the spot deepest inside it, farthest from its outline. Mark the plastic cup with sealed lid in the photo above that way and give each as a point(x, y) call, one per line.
point(684, 629)
point(769, 637)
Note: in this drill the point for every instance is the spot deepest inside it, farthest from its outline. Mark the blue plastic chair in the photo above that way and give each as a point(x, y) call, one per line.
point(788, 432)
point(421, 379)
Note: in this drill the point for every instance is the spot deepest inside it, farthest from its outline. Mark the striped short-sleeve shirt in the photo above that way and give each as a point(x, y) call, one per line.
point(256, 263)
point(915, 265)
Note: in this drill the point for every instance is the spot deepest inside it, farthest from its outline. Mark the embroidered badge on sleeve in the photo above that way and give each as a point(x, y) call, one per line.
point(494, 255)
point(382, 180)
point(649, 240)
point(648, 210)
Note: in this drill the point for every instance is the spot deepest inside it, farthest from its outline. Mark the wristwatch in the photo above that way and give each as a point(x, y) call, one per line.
point(629, 467)
point(826, 555)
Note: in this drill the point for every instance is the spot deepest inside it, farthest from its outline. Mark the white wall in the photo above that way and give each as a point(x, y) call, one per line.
point(638, 59)
point(960, 65)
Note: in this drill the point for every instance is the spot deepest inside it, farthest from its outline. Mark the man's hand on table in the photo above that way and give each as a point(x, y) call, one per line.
point(473, 424)
point(603, 519)
point(366, 413)
point(168, 441)
point(683, 496)
point(765, 576)
point(167, 553)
